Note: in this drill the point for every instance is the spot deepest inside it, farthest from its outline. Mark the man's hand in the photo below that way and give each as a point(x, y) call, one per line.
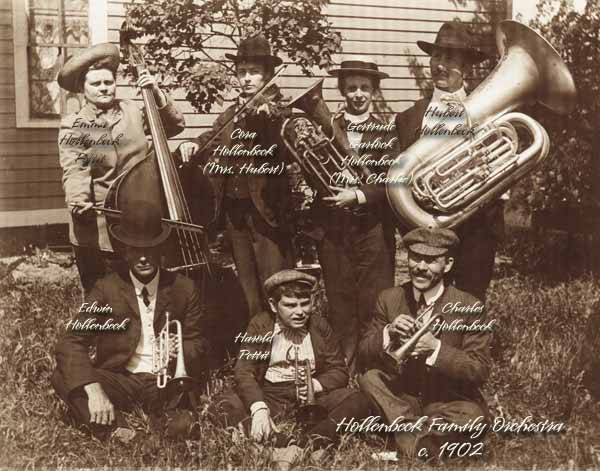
point(401, 329)
point(303, 390)
point(262, 426)
point(345, 198)
point(426, 345)
point(102, 410)
point(187, 150)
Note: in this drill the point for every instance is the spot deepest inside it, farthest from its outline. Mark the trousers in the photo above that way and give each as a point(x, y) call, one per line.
point(281, 399)
point(259, 251)
point(387, 396)
point(357, 266)
point(127, 390)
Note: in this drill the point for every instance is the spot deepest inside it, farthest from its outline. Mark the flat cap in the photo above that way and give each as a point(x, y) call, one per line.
point(105, 55)
point(434, 242)
point(288, 276)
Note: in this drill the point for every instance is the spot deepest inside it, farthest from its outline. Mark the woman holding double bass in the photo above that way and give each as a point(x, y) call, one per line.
point(100, 143)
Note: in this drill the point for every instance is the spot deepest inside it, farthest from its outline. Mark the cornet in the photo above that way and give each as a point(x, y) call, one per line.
point(161, 359)
point(308, 412)
point(402, 354)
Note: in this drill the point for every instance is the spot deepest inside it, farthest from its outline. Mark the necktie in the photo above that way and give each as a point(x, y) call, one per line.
point(145, 297)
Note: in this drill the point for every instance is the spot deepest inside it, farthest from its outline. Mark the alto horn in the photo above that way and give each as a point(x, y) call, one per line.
point(161, 359)
point(316, 147)
point(442, 182)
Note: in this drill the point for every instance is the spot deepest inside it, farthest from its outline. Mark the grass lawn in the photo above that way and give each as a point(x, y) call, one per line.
point(538, 332)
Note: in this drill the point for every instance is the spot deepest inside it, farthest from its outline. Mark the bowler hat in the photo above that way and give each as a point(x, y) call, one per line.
point(100, 56)
point(454, 35)
point(364, 65)
point(288, 276)
point(140, 226)
point(256, 48)
point(432, 242)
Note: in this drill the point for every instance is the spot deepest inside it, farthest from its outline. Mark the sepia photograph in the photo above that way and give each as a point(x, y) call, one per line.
point(299, 234)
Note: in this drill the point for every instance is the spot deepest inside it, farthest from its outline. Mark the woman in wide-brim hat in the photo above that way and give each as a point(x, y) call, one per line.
point(104, 139)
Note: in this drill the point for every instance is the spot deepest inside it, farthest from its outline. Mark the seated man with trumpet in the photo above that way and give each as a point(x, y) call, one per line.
point(137, 319)
point(426, 352)
point(452, 54)
point(290, 362)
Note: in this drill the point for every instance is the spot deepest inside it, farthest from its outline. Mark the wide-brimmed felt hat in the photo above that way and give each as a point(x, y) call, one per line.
point(432, 242)
point(288, 276)
point(140, 226)
point(105, 55)
point(256, 48)
point(456, 36)
point(363, 65)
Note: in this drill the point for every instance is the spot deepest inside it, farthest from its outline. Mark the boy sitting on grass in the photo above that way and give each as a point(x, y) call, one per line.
point(265, 373)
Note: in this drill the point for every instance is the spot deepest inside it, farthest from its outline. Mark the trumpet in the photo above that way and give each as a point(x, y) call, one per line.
point(308, 412)
point(406, 349)
point(161, 358)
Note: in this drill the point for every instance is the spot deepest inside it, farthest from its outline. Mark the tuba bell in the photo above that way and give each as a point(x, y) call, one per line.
point(441, 183)
point(316, 147)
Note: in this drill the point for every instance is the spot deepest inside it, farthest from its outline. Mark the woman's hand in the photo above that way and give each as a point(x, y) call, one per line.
point(345, 198)
point(147, 80)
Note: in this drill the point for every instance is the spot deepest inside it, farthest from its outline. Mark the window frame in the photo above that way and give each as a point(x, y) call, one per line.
point(98, 33)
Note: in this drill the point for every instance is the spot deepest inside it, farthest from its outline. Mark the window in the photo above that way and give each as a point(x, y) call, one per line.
point(47, 34)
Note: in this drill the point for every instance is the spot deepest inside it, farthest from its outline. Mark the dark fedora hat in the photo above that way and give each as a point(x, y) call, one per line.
point(364, 65)
point(140, 226)
point(100, 56)
point(256, 48)
point(454, 35)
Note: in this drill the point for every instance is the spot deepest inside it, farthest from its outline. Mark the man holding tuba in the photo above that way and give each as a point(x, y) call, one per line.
point(357, 248)
point(426, 352)
point(452, 54)
point(122, 316)
point(244, 164)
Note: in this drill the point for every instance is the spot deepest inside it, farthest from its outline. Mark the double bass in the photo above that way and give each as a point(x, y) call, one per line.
point(186, 199)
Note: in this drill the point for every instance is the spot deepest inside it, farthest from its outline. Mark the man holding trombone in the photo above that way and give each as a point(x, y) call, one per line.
point(122, 318)
point(427, 353)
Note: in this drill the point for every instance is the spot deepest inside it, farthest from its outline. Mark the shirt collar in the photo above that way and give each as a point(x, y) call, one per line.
point(357, 118)
point(293, 335)
point(438, 94)
point(431, 295)
point(152, 286)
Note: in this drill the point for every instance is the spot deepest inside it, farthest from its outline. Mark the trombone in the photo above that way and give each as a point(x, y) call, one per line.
point(161, 358)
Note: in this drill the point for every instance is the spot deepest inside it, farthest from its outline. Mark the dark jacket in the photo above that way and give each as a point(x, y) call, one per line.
point(176, 294)
point(331, 369)
point(269, 192)
point(463, 362)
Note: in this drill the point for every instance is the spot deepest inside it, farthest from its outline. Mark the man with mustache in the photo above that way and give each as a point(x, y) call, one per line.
point(438, 383)
point(252, 206)
point(122, 316)
point(357, 247)
point(265, 373)
point(452, 55)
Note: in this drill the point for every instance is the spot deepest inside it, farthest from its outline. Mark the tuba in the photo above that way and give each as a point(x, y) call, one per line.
point(441, 183)
point(316, 147)
point(180, 381)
